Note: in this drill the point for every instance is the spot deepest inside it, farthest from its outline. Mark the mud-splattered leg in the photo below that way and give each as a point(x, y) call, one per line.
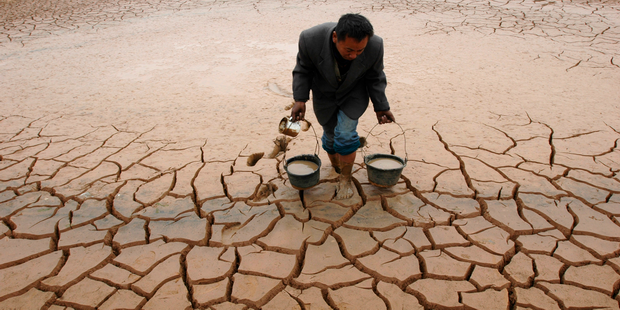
point(344, 190)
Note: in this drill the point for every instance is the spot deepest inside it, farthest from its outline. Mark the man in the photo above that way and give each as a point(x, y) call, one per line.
point(343, 66)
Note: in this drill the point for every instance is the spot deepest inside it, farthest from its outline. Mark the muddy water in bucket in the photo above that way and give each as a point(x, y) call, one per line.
point(385, 163)
point(302, 167)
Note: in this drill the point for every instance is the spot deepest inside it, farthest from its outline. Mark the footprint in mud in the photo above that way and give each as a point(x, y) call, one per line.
point(265, 191)
point(273, 87)
point(281, 142)
point(254, 158)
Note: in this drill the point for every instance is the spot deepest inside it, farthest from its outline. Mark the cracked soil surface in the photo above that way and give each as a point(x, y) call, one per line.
point(141, 166)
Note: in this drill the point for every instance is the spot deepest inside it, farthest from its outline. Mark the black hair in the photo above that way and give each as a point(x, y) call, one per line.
point(353, 26)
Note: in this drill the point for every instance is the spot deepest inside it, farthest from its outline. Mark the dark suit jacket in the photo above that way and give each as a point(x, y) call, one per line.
point(315, 70)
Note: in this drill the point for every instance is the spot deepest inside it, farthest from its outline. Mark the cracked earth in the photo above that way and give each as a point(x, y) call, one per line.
point(141, 166)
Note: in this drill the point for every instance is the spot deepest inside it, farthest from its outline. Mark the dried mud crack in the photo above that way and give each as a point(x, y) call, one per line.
point(141, 166)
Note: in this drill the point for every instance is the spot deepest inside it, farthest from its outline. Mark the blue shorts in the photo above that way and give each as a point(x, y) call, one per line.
point(340, 135)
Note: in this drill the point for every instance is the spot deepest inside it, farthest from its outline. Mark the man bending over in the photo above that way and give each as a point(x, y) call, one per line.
point(343, 66)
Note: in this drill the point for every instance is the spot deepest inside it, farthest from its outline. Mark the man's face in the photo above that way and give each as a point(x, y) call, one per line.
point(349, 48)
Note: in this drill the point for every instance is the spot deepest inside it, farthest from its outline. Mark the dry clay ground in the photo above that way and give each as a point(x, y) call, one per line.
point(131, 175)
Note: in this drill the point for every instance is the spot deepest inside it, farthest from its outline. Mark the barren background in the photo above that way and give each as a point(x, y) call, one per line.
point(126, 127)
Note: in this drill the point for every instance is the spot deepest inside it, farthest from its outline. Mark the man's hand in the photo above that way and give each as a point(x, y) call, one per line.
point(298, 112)
point(385, 117)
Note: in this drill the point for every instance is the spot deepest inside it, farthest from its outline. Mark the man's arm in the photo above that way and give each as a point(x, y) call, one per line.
point(376, 83)
point(302, 80)
point(298, 112)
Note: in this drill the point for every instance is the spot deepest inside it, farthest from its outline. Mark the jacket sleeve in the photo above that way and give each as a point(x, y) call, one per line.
point(376, 83)
point(303, 72)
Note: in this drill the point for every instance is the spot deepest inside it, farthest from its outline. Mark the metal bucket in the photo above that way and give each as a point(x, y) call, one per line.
point(304, 181)
point(383, 177)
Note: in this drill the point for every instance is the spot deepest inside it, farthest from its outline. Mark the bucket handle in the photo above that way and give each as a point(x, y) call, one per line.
point(316, 147)
point(404, 138)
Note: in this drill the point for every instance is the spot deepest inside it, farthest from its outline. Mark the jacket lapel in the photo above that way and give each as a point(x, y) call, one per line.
point(357, 68)
point(327, 61)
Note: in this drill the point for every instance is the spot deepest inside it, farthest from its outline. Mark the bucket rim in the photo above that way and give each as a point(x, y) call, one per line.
point(381, 155)
point(296, 157)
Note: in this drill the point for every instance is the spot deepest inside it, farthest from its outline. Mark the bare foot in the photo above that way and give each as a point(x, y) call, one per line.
point(344, 189)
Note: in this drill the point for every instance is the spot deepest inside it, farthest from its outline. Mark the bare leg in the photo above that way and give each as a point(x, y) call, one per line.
point(335, 160)
point(345, 189)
